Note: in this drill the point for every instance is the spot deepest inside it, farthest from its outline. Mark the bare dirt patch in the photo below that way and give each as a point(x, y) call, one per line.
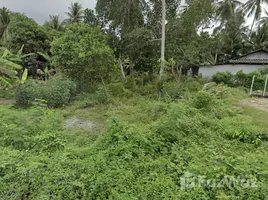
point(260, 104)
point(74, 123)
point(7, 101)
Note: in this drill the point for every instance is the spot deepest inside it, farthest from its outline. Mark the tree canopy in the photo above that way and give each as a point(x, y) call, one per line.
point(82, 53)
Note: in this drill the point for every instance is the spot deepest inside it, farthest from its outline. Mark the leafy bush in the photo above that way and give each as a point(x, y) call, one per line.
point(240, 79)
point(224, 77)
point(223, 92)
point(82, 53)
point(203, 100)
point(57, 91)
point(119, 90)
point(9, 94)
point(264, 71)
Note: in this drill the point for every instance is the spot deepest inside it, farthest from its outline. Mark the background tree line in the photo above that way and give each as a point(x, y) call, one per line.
point(124, 36)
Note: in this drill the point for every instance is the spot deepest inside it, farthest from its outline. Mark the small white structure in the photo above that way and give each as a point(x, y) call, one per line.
point(254, 61)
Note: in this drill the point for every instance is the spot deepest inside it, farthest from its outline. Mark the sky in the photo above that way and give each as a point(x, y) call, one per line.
point(41, 9)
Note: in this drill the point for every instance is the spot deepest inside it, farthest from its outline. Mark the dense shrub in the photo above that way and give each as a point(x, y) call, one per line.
point(224, 77)
point(240, 79)
point(57, 91)
point(222, 91)
point(202, 100)
point(82, 53)
point(119, 90)
point(264, 71)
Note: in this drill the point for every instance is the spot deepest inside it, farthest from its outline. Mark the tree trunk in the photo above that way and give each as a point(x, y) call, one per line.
point(178, 79)
point(131, 68)
point(163, 38)
point(122, 69)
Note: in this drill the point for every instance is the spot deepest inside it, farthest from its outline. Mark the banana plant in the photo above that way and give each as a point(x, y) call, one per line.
point(10, 64)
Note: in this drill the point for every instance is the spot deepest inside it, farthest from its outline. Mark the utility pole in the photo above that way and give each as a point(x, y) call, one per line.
point(163, 39)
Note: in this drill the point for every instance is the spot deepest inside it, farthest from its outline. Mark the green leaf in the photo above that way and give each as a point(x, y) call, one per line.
point(20, 51)
point(5, 64)
point(44, 55)
point(24, 76)
point(5, 82)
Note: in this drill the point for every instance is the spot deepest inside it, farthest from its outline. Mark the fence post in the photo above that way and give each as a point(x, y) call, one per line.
point(251, 88)
point(265, 86)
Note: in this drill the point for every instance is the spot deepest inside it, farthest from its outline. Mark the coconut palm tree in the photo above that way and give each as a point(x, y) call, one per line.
point(54, 23)
point(226, 9)
point(4, 22)
point(264, 20)
point(75, 14)
point(254, 8)
point(259, 38)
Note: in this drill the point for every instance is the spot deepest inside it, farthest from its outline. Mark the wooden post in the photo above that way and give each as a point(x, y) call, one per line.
point(251, 88)
point(265, 86)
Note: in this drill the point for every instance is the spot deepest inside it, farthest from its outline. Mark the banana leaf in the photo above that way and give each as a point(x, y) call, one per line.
point(24, 76)
point(5, 64)
point(5, 82)
point(44, 55)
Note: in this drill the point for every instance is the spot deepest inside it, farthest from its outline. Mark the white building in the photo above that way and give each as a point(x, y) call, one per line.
point(254, 61)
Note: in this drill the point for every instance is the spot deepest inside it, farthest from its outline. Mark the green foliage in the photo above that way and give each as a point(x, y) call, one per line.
point(10, 65)
point(203, 100)
point(119, 90)
point(223, 92)
point(241, 79)
point(25, 31)
point(4, 23)
point(57, 92)
point(9, 94)
point(223, 77)
point(264, 71)
point(145, 149)
point(82, 53)
point(54, 23)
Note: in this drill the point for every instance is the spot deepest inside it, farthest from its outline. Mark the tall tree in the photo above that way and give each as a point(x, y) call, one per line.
point(163, 38)
point(234, 37)
point(75, 13)
point(264, 20)
point(4, 23)
point(254, 8)
point(25, 31)
point(54, 23)
point(82, 53)
point(185, 43)
point(259, 38)
point(226, 9)
point(122, 14)
point(90, 17)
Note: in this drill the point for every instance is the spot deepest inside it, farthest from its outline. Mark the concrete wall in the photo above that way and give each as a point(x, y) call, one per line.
point(208, 72)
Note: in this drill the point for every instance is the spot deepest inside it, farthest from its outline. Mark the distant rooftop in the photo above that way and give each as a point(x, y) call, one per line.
point(256, 57)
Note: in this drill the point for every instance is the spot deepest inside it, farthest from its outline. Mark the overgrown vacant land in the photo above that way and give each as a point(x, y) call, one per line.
point(136, 147)
point(110, 103)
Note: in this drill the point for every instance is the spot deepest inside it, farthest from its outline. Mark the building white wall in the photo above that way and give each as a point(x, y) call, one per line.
point(208, 72)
